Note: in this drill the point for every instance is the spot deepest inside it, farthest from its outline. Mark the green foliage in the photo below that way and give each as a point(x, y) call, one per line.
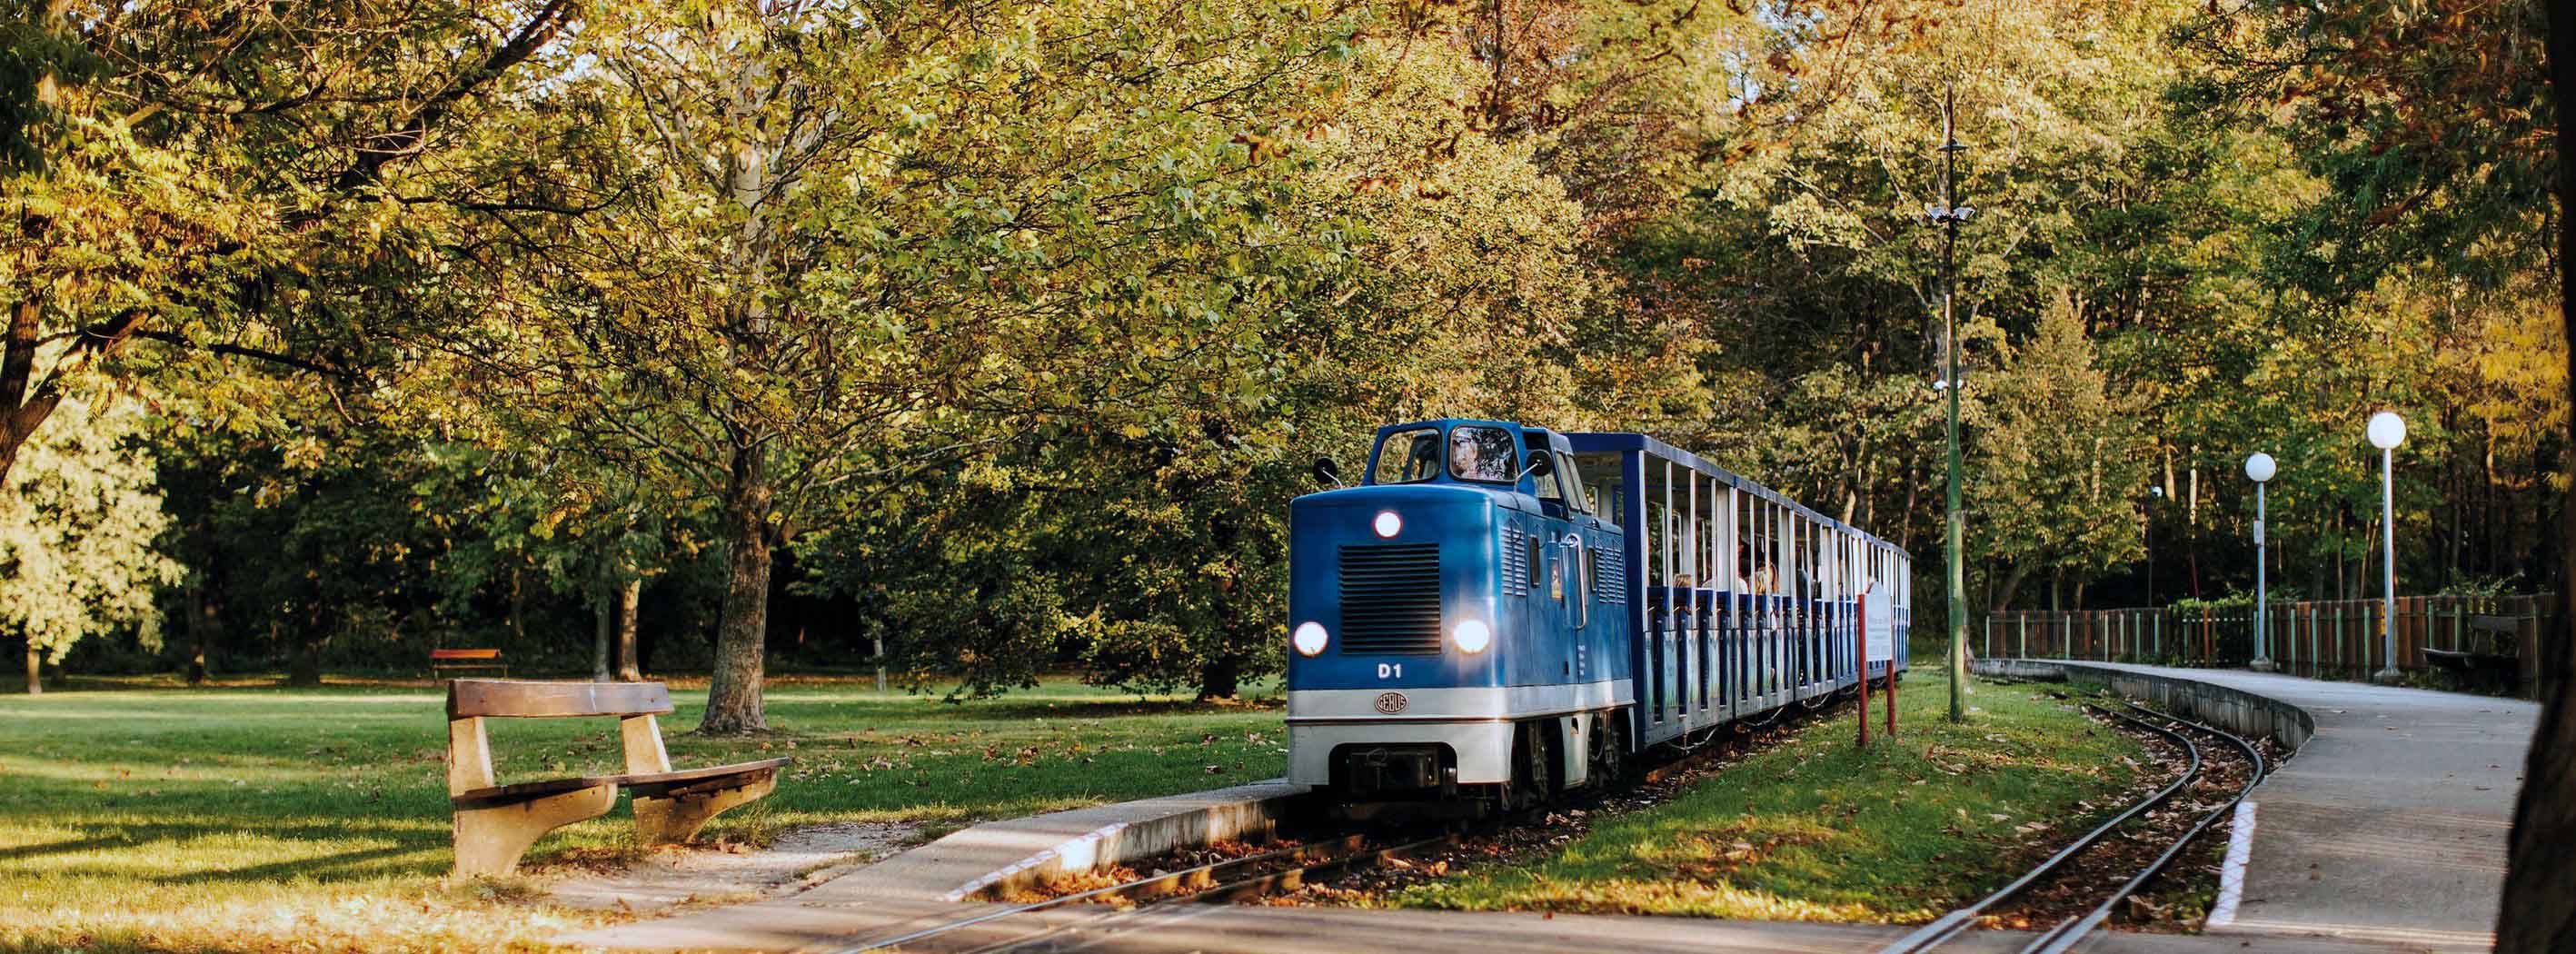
point(1011, 328)
point(78, 529)
point(2059, 472)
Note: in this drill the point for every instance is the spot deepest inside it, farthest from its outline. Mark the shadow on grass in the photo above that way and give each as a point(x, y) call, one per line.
point(169, 838)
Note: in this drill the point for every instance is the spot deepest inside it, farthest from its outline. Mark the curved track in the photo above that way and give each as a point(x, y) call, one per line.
point(2066, 934)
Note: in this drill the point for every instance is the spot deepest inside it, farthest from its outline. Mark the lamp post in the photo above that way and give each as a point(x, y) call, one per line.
point(2154, 493)
point(2387, 430)
point(2259, 469)
point(1947, 217)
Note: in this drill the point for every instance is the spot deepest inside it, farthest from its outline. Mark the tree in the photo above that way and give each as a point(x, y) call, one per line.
point(861, 242)
point(2059, 471)
point(79, 529)
point(160, 193)
point(2539, 911)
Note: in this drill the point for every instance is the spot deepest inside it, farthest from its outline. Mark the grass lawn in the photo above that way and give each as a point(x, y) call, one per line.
point(1817, 829)
point(262, 819)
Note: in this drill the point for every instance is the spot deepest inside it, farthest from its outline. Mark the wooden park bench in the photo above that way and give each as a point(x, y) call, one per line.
point(496, 823)
point(461, 660)
point(2489, 659)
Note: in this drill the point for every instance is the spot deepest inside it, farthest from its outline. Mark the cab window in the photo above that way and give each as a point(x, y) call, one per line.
point(1551, 495)
point(1573, 478)
point(1408, 457)
point(1482, 453)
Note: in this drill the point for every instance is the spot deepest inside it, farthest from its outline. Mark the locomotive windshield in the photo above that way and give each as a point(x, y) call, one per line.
point(1408, 457)
point(1481, 453)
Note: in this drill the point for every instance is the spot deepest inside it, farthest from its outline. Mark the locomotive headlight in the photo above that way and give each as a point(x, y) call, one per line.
point(1309, 638)
point(1472, 636)
point(1387, 524)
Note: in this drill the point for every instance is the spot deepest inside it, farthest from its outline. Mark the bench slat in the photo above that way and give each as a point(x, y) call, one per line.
point(465, 654)
point(510, 698)
point(518, 790)
point(688, 775)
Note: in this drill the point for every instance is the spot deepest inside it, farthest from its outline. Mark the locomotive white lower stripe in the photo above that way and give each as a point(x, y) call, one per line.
point(1475, 723)
point(1454, 704)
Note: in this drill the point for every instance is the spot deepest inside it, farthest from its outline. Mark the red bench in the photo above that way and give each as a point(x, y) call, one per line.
point(464, 660)
point(495, 824)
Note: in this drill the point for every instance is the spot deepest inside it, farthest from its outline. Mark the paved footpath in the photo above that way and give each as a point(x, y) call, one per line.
point(2390, 825)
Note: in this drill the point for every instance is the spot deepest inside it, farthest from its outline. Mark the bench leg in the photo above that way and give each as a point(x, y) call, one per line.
point(661, 821)
point(490, 839)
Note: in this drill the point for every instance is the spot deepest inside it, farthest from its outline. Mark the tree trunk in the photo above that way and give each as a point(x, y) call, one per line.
point(35, 669)
point(20, 412)
point(306, 669)
point(518, 609)
point(629, 668)
point(734, 694)
point(2539, 911)
point(202, 623)
point(603, 620)
point(1220, 678)
point(2000, 599)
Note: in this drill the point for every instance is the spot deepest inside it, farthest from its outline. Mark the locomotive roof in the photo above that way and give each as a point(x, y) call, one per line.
point(1585, 442)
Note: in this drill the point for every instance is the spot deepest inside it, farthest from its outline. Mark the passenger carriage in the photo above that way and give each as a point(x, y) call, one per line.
point(1499, 612)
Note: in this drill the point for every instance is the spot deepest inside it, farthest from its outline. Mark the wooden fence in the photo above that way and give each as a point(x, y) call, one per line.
point(2328, 639)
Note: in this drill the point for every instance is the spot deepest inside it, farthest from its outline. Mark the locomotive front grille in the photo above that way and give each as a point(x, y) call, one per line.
point(1391, 599)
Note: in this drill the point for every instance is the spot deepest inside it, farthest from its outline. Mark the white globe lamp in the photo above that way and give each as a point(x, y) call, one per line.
point(2387, 430)
point(2259, 469)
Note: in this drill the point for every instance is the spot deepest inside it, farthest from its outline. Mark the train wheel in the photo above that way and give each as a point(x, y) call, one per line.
point(1610, 751)
point(1530, 776)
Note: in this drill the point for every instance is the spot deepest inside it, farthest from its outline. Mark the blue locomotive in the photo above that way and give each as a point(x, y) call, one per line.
point(1497, 613)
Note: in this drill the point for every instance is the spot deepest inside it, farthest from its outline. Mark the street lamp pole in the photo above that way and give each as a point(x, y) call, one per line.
point(2387, 430)
point(1949, 217)
point(2154, 493)
point(2258, 468)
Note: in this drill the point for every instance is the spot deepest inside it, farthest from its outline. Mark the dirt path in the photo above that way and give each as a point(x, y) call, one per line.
point(677, 876)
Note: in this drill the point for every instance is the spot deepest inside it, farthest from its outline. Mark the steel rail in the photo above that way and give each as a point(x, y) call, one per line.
point(1949, 925)
point(1257, 885)
point(2068, 932)
point(1170, 886)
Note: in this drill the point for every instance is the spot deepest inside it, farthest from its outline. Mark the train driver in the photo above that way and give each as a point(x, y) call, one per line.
point(1469, 459)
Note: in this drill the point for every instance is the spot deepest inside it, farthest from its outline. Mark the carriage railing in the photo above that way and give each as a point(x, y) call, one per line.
point(2325, 639)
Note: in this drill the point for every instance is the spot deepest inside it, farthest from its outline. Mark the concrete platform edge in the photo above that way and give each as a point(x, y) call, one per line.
point(1153, 826)
point(2235, 710)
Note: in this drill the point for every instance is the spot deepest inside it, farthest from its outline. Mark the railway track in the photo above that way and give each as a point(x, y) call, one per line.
point(1229, 880)
point(2064, 935)
point(1252, 876)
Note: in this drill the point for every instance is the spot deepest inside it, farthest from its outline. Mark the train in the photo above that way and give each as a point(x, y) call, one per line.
point(1498, 613)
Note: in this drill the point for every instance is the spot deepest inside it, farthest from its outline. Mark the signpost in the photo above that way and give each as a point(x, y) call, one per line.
point(1877, 645)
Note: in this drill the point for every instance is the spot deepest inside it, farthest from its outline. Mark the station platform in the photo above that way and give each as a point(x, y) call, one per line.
point(2389, 824)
